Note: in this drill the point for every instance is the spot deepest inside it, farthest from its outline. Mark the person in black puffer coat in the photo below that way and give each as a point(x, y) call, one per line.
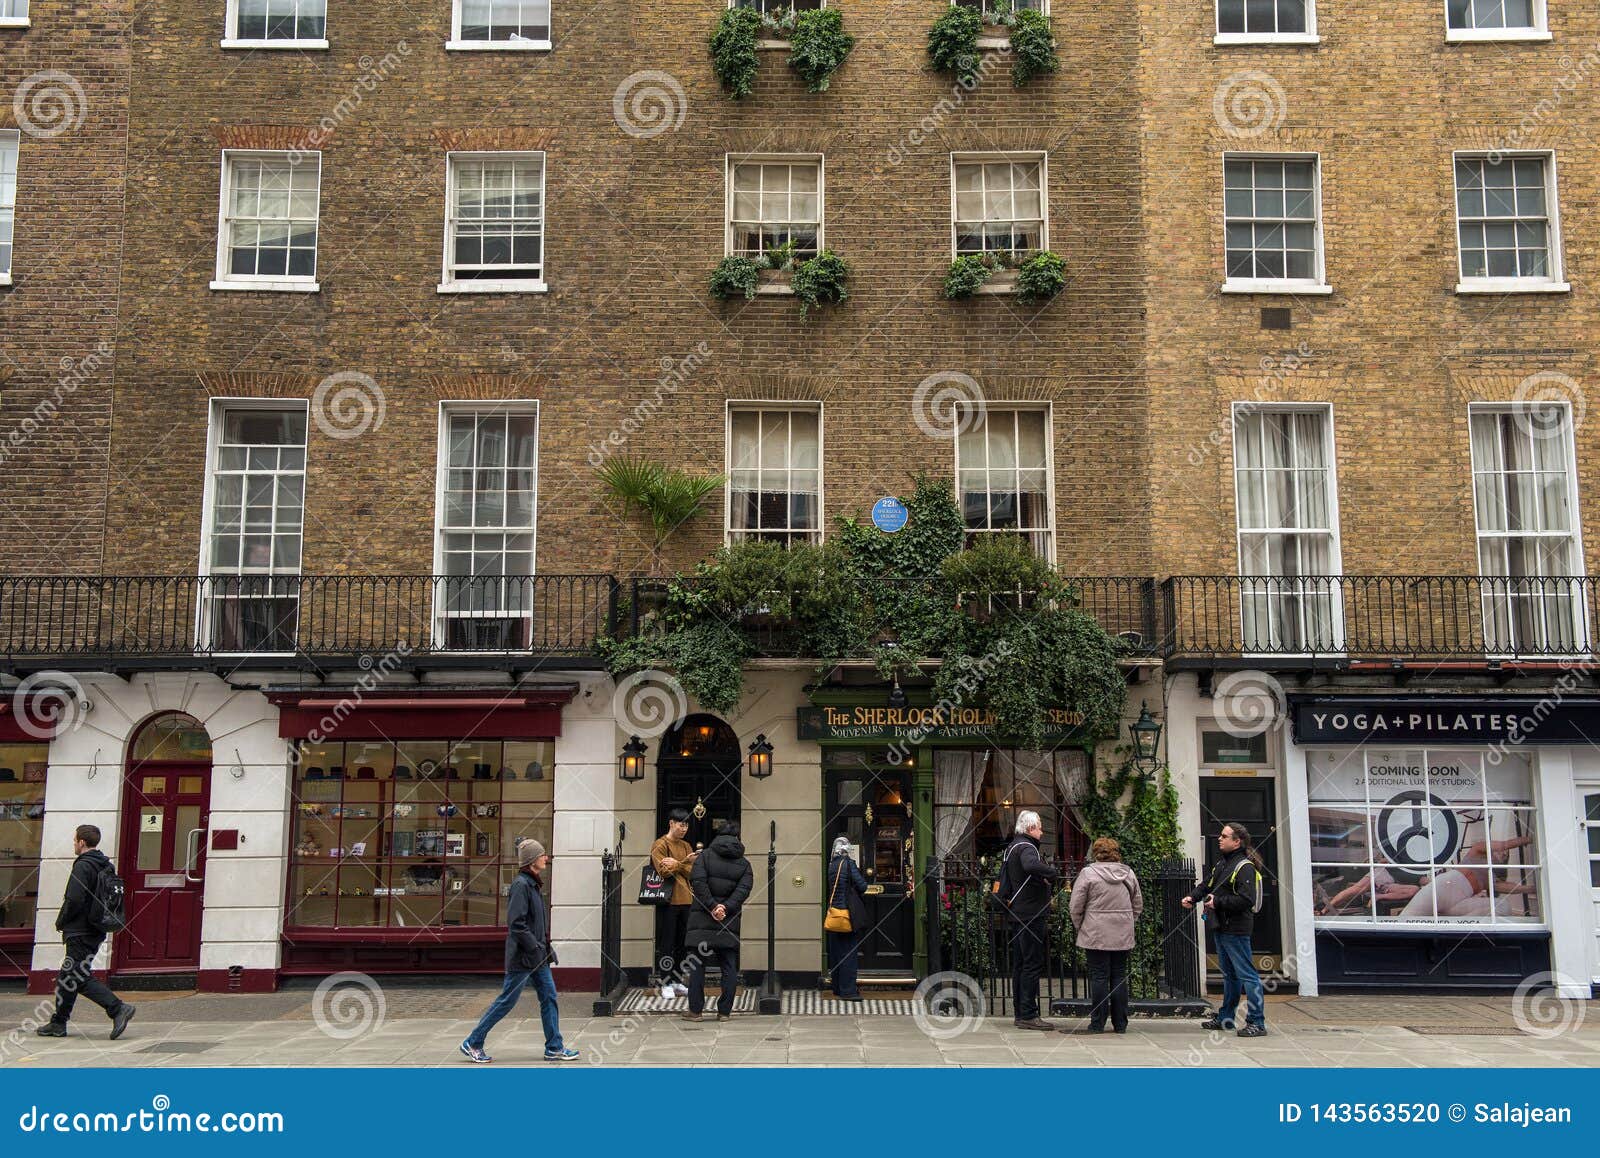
point(721, 882)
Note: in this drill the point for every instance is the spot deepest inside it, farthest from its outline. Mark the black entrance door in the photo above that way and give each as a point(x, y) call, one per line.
point(872, 806)
point(1251, 803)
point(698, 770)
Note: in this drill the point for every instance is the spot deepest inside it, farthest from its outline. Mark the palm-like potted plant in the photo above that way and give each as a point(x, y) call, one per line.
point(667, 496)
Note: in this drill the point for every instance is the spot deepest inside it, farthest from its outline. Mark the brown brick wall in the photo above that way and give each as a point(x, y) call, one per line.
point(58, 320)
point(1384, 100)
point(634, 230)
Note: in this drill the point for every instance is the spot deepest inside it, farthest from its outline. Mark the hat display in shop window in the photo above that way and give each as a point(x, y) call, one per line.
point(453, 773)
point(401, 772)
point(507, 772)
point(314, 773)
point(482, 772)
point(7, 774)
point(535, 771)
point(336, 772)
point(366, 772)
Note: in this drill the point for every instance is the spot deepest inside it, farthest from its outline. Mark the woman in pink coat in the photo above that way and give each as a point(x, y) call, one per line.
point(1106, 903)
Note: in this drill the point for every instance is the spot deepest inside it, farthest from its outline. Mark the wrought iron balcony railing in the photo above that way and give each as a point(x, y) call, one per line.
point(318, 616)
point(1404, 617)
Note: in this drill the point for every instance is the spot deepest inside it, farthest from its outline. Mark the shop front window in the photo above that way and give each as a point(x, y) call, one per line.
point(22, 768)
point(419, 834)
point(978, 793)
point(1423, 837)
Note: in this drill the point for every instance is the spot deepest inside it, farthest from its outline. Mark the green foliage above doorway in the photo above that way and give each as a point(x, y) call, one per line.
point(1005, 624)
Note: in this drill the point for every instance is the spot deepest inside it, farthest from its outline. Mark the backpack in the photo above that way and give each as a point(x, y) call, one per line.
point(1261, 884)
point(107, 906)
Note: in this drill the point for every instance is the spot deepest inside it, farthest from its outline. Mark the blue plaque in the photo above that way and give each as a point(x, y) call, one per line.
point(889, 515)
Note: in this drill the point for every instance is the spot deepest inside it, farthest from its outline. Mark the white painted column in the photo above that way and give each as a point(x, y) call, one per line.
point(1566, 871)
point(584, 823)
point(1301, 909)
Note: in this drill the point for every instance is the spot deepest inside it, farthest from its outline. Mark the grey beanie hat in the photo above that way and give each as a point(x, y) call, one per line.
point(528, 851)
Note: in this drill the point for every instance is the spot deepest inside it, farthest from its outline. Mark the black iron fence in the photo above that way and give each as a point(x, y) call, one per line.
point(969, 934)
point(613, 978)
point(331, 615)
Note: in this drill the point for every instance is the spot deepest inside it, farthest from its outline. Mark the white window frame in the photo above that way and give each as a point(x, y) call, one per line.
point(1048, 410)
point(1539, 31)
point(999, 41)
point(768, 41)
point(1309, 36)
point(1335, 595)
point(226, 280)
point(1579, 626)
point(1286, 285)
point(732, 159)
point(14, 137)
point(217, 408)
point(232, 39)
point(16, 21)
point(1556, 282)
point(1043, 159)
point(456, 44)
point(747, 406)
point(448, 283)
point(449, 408)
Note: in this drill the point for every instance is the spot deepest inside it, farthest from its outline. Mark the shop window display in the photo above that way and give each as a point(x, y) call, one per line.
point(978, 793)
point(1423, 836)
point(418, 834)
point(22, 769)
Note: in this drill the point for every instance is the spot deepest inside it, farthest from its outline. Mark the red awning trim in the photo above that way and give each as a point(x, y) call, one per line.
point(36, 724)
point(410, 714)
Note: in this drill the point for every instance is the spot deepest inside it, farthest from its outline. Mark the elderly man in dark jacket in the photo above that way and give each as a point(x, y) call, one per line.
point(721, 881)
point(1027, 884)
point(529, 956)
point(75, 923)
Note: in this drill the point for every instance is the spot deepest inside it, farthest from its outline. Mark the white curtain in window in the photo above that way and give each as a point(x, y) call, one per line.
point(956, 776)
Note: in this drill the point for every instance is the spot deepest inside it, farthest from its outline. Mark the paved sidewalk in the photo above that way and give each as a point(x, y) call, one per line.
point(421, 1026)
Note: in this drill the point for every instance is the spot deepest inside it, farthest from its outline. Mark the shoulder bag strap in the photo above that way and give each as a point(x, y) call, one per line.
point(836, 877)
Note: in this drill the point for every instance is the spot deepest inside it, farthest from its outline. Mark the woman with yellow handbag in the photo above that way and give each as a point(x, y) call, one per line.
point(846, 921)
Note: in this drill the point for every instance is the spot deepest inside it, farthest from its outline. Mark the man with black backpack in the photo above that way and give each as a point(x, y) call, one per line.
point(1025, 888)
point(92, 908)
point(1230, 898)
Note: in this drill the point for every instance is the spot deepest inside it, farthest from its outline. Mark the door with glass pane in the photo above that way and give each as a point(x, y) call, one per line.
point(165, 817)
point(1591, 846)
point(872, 806)
point(1290, 600)
point(486, 527)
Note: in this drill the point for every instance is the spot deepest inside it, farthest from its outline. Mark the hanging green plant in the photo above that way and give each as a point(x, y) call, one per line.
point(1041, 277)
point(821, 280)
point(967, 275)
point(1033, 47)
point(733, 51)
point(953, 42)
point(818, 45)
point(735, 277)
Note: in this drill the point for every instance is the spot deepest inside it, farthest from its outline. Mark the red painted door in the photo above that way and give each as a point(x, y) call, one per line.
point(164, 823)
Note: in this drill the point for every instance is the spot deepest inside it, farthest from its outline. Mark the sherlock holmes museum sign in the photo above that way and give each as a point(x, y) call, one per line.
point(931, 724)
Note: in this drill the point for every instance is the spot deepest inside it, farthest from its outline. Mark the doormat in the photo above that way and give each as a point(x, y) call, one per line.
point(796, 1002)
point(177, 1047)
point(1465, 1030)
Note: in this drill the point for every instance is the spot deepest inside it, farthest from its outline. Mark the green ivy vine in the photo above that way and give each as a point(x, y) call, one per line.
point(1033, 47)
point(733, 51)
point(818, 45)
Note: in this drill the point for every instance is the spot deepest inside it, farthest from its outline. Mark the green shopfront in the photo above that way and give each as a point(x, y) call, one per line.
point(911, 782)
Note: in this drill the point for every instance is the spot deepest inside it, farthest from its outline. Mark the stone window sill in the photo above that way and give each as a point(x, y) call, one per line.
point(269, 286)
point(1290, 288)
point(1230, 39)
point(15, 22)
point(498, 45)
point(5, 279)
point(775, 288)
point(1513, 287)
point(775, 44)
point(278, 45)
point(1492, 35)
point(529, 286)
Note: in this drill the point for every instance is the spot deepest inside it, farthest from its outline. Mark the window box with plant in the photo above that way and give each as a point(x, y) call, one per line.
point(814, 35)
point(960, 35)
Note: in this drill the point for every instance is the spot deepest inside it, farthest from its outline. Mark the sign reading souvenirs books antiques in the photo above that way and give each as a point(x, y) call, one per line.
point(922, 724)
point(1550, 719)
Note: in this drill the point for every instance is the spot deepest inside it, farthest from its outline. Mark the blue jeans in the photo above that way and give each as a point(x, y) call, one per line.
point(1239, 976)
point(543, 984)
